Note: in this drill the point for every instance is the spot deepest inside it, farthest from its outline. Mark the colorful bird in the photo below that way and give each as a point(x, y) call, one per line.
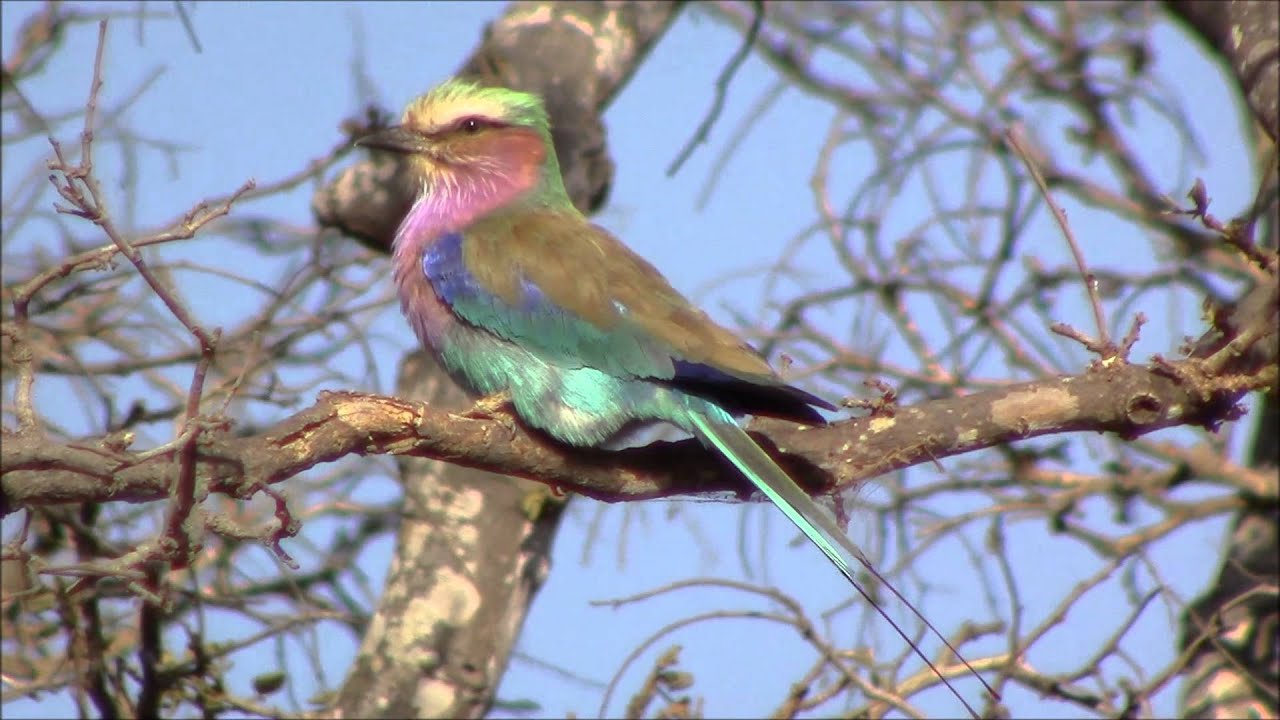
point(525, 301)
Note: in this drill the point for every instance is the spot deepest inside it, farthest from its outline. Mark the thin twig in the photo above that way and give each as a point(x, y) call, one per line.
point(722, 88)
point(187, 25)
point(1014, 136)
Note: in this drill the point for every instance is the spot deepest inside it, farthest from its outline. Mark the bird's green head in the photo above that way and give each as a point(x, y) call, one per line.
point(460, 131)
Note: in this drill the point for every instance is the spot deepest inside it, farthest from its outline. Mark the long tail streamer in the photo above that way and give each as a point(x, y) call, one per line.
point(737, 446)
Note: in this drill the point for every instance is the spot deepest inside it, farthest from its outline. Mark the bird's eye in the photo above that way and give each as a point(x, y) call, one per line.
point(471, 126)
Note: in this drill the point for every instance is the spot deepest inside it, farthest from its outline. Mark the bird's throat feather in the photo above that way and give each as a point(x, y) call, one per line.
point(471, 182)
point(458, 191)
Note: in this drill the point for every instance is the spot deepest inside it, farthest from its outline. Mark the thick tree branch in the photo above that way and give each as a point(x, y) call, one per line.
point(453, 542)
point(1245, 33)
point(496, 549)
point(1131, 400)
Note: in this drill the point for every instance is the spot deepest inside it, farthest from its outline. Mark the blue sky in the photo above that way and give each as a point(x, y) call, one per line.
point(267, 94)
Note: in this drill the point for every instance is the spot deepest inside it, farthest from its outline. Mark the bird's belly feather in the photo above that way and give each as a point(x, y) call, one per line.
point(576, 405)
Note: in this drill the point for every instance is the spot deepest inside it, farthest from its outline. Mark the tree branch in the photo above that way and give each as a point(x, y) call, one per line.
point(1246, 34)
point(1131, 400)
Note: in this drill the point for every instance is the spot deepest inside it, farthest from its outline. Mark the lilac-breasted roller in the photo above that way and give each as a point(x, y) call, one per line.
point(520, 297)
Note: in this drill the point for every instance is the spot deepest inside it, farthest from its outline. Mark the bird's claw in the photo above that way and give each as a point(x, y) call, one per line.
point(489, 406)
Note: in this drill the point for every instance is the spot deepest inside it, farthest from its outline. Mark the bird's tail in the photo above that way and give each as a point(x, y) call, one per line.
point(737, 446)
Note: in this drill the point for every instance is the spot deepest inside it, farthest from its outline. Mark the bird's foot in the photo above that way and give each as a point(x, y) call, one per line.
point(489, 406)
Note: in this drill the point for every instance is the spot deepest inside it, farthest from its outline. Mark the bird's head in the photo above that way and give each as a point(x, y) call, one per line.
point(463, 135)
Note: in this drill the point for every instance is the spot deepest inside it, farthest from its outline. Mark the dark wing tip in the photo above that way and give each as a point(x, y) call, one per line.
point(811, 399)
point(743, 396)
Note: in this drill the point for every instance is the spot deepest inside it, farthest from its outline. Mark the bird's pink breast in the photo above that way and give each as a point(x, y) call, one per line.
point(448, 205)
point(427, 315)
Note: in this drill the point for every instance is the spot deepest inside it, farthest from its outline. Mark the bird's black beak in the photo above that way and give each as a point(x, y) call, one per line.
point(396, 138)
